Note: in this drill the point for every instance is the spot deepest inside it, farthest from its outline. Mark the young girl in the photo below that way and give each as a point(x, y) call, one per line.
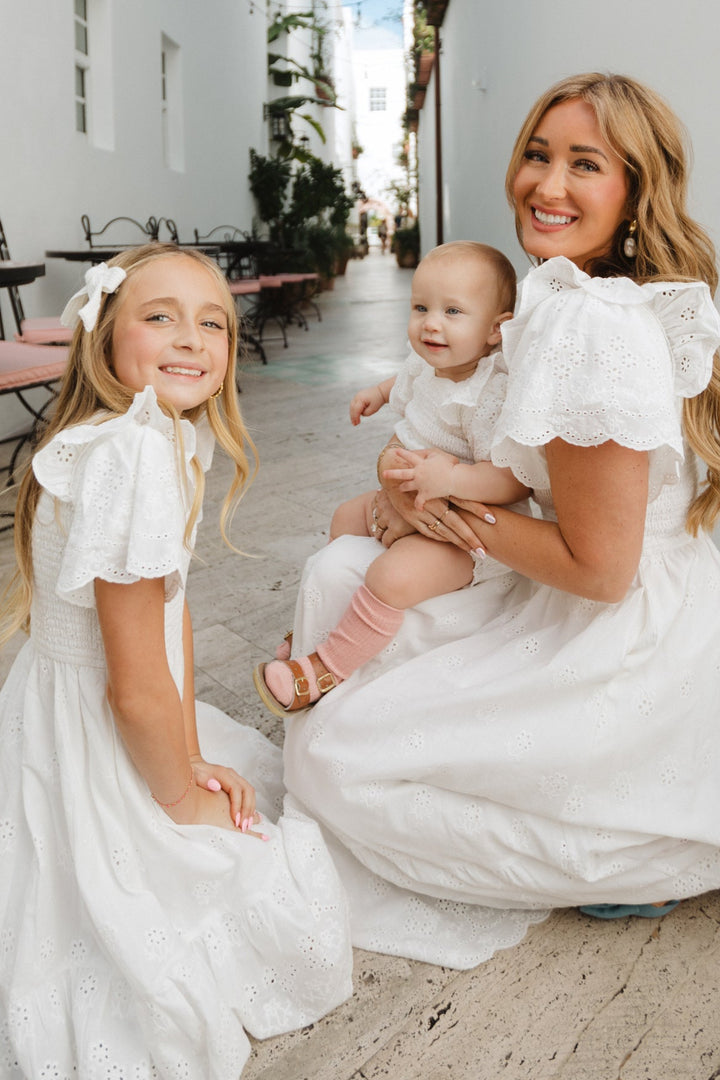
point(145, 924)
point(448, 395)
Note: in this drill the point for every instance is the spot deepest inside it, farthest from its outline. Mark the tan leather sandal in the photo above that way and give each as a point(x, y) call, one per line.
point(324, 679)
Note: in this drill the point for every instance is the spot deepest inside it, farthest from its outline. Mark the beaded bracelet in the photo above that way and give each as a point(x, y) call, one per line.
point(166, 805)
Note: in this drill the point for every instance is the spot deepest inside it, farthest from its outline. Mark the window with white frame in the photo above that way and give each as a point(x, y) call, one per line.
point(82, 64)
point(171, 104)
point(378, 98)
point(93, 71)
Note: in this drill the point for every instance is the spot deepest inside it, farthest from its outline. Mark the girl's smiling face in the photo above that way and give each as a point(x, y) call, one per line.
point(571, 189)
point(171, 332)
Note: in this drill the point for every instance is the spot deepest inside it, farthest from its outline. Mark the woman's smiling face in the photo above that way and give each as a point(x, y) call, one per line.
point(571, 189)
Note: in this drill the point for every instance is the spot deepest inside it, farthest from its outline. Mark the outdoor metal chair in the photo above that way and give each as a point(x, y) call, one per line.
point(47, 330)
point(234, 255)
point(171, 228)
point(24, 368)
point(149, 231)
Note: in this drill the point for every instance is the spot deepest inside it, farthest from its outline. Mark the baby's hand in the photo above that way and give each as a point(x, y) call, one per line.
point(365, 403)
point(429, 474)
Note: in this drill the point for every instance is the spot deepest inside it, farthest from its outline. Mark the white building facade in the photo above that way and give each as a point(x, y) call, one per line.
point(380, 102)
point(141, 108)
point(170, 96)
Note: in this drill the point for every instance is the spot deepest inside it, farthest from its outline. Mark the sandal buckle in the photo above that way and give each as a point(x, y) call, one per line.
point(326, 682)
point(302, 686)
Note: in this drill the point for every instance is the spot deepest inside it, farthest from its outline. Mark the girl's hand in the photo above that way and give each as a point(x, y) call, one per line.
point(225, 796)
point(429, 473)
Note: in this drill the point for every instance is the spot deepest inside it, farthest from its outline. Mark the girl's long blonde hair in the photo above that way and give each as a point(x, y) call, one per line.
point(90, 391)
point(649, 138)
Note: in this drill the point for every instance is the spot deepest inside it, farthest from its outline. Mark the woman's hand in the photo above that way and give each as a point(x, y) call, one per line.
point(397, 510)
point(438, 520)
point(229, 791)
point(390, 522)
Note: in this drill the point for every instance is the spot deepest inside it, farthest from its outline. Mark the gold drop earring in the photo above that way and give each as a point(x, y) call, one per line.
point(630, 247)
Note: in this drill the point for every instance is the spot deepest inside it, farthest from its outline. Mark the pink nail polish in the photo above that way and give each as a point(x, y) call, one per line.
point(237, 821)
point(479, 552)
point(213, 784)
point(490, 518)
point(264, 837)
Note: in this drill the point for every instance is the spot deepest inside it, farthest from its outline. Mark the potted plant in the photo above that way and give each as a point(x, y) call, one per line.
point(319, 239)
point(406, 244)
point(344, 248)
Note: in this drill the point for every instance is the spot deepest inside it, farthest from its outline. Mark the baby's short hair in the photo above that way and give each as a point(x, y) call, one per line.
point(504, 269)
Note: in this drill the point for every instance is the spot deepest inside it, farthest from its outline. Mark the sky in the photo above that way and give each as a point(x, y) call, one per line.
point(386, 14)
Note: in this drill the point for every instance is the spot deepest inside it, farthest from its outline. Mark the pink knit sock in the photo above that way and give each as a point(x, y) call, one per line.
point(366, 627)
point(284, 648)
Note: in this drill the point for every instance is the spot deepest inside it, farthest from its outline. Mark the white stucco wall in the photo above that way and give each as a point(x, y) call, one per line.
point(516, 51)
point(52, 174)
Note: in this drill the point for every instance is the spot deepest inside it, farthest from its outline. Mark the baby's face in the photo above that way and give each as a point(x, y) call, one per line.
point(454, 317)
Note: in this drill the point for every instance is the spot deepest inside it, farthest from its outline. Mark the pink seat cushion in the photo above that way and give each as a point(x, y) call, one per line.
point(270, 281)
point(244, 286)
point(47, 331)
point(23, 366)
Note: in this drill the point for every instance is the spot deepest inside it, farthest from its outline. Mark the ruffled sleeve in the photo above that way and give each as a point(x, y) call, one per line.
point(126, 505)
point(595, 359)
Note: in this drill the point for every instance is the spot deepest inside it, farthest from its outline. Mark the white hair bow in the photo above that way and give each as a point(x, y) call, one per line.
point(85, 304)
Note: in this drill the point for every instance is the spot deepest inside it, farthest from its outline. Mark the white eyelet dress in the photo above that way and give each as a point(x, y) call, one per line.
point(518, 748)
point(131, 946)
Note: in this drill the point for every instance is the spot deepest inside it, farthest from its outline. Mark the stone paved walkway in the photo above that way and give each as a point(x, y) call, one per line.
point(578, 999)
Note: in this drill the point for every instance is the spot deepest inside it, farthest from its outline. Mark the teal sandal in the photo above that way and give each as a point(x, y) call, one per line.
point(620, 911)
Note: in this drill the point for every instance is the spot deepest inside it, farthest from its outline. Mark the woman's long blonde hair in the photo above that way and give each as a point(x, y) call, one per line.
point(90, 391)
point(649, 138)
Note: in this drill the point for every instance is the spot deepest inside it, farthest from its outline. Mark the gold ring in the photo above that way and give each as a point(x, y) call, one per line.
point(433, 527)
point(445, 511)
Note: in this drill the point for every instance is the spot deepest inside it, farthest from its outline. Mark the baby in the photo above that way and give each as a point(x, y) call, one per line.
point(449, 395)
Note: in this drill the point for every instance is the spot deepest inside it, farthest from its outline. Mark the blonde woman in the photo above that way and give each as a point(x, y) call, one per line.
point(550, 739)
point(145, 923)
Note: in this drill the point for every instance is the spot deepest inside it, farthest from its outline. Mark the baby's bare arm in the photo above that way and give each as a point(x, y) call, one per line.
point(435, 475)
point(370, 400)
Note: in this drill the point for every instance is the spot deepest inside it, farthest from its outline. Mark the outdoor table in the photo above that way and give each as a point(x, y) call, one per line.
point(17, 273)
point(104, 254)
point(91, 255)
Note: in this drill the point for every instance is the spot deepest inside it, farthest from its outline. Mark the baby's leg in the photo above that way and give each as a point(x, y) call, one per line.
point(413, 569)
point(417, 568)
point(354, 517)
